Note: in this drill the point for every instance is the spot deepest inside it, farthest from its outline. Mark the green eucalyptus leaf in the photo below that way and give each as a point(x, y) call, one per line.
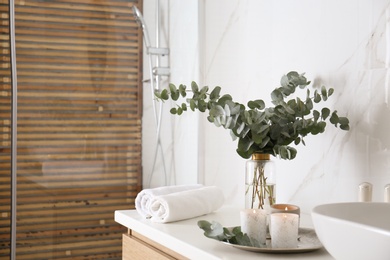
point(284, 133)
point(276, 96)
point(309, 104)
point(301, 105)
point(233, 123)
point(284, 81)
point(292, 103)
point(257, 138)
point(244, 144)
point(324, 93)
point(330, 92)
point(164, 94)
point(202, 105)
point(233, 135)
point(265, 141)
point(243, 239)
point(234, 108)
point(172, 87)
point(262, 129)
point(228, 122)
point(217, 111)
point(182, 90)
point(214, 95)
point(334, 119)
point(275, 131)
point(179, 111)
point(315, 129)
point(224, 99)
point(293, 152)
point(217, 121)
point(325, 112)
point(248, 117)
point(240, 128)
point(316, 115)
point(215, 230)
point(204, 90)
point(344, 123)
point(157, 94)
point(317, 97)
point(259, 104)
point(322, 125)
point(173, 111)
point(288, 109)
point(193, 105)
point(227, 110)
point(175, 95)
point(194, 87)
point(251, 104)
point(344, 127)
point(283, 152)
point(212, 229)
point(343, 120)
point(223, 120)
point(245, 131)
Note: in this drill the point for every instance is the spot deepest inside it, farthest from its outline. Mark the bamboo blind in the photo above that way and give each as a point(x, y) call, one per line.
point(79, 126)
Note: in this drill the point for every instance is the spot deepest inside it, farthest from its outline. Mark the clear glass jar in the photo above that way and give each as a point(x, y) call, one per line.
point(260, 182)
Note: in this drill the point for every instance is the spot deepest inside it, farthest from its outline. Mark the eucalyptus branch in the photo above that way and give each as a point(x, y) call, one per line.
point(259, 128)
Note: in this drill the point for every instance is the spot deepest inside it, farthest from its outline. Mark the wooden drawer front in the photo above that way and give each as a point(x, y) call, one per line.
point(135, 248)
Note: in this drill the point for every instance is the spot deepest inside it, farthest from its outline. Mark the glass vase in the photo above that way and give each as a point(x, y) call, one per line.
point(260, 182)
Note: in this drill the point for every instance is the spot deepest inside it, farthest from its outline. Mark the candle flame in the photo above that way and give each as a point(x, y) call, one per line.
point(285, 208)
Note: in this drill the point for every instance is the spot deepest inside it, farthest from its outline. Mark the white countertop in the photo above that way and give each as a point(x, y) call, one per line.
point(187, 239)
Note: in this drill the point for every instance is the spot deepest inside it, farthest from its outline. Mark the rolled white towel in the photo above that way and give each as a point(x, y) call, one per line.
point(186, 204)
point(142, 201)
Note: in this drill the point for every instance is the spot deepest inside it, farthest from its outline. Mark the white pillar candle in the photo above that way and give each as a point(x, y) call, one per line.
point(284, 230)
point(287, 208)
point(254, 224)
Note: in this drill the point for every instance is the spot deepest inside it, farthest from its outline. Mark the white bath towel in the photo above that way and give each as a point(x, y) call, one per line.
point(142, 201)
point(186, 204)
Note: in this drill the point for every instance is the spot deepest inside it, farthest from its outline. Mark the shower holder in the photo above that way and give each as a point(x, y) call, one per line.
point(161, 71)
point(158, 51)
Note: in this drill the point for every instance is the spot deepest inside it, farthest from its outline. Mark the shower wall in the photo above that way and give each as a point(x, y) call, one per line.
point(179, 135)
point(79, 126)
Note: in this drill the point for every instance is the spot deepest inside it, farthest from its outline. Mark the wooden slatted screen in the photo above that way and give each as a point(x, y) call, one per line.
point(5, 133)
point(79, 127)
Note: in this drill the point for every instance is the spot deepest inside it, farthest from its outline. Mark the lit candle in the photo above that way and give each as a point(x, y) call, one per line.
point(287, 208)
point(284, 230)
point(254, 224)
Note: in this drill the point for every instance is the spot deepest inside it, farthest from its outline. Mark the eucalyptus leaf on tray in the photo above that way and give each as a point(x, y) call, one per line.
point(215, 230)
point(307, 239)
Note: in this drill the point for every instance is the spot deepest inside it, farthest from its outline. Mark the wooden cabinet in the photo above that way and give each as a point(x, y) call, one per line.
point(138, 247)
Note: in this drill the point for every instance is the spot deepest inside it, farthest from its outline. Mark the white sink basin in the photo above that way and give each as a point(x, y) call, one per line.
point(354, 230)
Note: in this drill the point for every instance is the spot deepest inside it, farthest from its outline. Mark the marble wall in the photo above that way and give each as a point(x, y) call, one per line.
point(245, 46)
point(177, 155)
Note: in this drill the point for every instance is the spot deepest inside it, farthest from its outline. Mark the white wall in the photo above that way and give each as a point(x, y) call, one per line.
point(179, 31)
point(247, 45)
